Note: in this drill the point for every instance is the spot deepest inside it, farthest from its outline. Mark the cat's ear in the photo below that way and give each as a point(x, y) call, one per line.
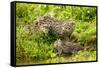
point(72, 22)
point(41, 18)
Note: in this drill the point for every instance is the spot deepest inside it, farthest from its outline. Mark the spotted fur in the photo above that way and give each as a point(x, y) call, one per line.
point(52, 26)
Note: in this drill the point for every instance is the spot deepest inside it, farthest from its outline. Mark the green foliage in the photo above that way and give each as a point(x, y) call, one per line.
point(37, 47)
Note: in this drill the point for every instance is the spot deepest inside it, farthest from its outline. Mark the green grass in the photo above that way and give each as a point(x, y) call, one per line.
point(37, 47)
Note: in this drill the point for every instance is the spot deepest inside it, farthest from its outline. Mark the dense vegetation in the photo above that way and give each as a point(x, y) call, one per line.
point(37, 47)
